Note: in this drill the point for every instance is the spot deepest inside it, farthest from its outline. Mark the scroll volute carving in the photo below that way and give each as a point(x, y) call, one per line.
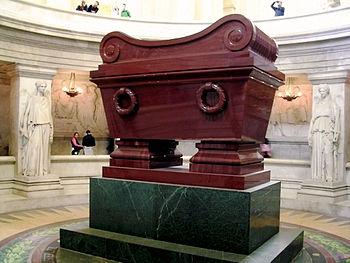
point(109, 50)
point(242, 34)
point(236, 33)
point(238, 36)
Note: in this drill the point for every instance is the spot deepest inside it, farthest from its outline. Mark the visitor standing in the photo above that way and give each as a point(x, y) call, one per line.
point(279, 9)
point(125, 12)
point(88, 143)
point(82, 6)
point(93, 8)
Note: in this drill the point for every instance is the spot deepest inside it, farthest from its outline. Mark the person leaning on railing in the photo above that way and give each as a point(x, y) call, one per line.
point(279, 9)
point(93, 8)
point(125, 12)
point(82, 6)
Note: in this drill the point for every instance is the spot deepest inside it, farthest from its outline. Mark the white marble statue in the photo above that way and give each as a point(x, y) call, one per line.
point(37, 132)
point(324, 135)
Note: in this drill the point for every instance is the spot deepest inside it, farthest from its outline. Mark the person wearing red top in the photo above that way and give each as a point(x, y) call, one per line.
point(76, 146)
point(82, 6)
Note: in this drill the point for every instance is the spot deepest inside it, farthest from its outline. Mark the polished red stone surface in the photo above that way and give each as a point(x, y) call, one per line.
point(218, 83)
point(226, 157)
point(216, 86)
point(182, 176)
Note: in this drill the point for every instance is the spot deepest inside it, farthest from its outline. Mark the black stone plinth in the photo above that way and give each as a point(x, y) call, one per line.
point(282, 247)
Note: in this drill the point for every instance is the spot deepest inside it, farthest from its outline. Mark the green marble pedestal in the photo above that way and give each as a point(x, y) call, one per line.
point(235, 221)
point(133, 221)
point(281, 248)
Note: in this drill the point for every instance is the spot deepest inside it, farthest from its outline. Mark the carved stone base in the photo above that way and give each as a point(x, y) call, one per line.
point(227, 157)
point(146, 154)
point(324, 192)
point(37, 186)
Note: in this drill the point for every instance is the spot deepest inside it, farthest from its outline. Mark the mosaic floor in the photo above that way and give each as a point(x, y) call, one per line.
point(32, 236)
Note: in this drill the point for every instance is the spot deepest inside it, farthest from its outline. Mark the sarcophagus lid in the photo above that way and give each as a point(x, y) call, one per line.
point(216, 84)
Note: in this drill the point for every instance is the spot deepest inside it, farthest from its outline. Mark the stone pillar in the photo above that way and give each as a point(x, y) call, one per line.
point(182, 10)
point(160, 10)
point(157, 10)
point(241, 7)
point(210, 10)
point(321, 189)
point(23, 85)
point(147, 9)
point(163, 11)
point(228, 7)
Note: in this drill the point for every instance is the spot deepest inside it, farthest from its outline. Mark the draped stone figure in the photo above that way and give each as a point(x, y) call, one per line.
point(324, 135)
point(37, 132)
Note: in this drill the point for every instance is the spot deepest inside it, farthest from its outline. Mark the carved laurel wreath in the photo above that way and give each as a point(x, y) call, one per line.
point(132, 107)
point(201, 98)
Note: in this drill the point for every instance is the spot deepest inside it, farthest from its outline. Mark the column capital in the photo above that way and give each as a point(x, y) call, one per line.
point(330, 77)
point(29, 71)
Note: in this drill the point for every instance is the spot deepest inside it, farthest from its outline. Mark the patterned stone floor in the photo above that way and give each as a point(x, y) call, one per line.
point(32, 236)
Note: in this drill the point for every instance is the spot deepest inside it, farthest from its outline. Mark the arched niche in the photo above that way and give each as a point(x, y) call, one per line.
point(79, 113)
point(5, 109)
point(290, 118)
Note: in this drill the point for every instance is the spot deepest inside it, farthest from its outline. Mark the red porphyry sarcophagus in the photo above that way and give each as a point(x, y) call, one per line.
point(216, 86)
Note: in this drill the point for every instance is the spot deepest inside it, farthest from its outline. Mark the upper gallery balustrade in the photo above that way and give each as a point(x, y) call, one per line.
point(311, 22)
